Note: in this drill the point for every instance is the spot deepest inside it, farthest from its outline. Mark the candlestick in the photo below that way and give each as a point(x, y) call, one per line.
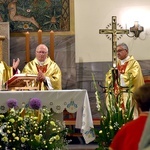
point(1, 45)
point(27, 46)
point(52, 45)
point(39, 36)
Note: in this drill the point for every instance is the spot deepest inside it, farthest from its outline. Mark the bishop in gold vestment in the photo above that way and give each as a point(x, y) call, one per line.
point(47, 71)
point(129, 74)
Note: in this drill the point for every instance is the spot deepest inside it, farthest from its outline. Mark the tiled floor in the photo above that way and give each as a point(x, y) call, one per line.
point(82, 147)
point(78, 143)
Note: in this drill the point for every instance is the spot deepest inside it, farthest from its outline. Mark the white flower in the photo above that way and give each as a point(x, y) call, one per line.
point(100, 131)
point(116, 124)
point(98, 102)
point(1, 129)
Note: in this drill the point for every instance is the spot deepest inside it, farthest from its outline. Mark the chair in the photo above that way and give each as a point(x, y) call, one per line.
point(147, 79)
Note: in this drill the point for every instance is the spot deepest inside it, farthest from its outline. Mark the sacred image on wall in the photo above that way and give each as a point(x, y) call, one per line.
point(31, 15)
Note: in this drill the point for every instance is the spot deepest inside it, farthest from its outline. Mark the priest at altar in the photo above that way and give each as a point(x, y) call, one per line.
point(6, 72)
point(47, 71)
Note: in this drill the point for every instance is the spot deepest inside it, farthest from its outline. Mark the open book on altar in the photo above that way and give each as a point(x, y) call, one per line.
point(21, 80)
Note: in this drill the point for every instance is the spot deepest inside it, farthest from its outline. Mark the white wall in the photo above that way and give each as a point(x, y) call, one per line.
point(92, 15)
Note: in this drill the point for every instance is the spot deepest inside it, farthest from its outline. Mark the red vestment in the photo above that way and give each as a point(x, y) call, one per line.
point(42, 68)
point(128, 137)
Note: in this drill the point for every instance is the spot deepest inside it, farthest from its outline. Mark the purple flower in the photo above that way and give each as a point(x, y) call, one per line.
point(12, 103)
point(35, 103)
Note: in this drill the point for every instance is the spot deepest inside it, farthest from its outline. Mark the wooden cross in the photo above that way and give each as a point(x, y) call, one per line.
point(114, 31)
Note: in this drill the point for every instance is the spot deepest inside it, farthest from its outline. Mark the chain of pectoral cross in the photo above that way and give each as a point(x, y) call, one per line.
point(114, 31)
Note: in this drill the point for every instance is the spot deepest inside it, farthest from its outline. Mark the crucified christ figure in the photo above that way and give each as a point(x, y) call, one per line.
point(14, 17)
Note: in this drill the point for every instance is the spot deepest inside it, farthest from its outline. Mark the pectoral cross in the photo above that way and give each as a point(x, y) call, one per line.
point(114, 31)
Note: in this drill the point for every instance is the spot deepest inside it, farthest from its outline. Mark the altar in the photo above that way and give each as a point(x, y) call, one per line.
point(72, 100)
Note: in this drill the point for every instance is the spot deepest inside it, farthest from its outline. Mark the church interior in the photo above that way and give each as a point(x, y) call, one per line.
point(75, 44)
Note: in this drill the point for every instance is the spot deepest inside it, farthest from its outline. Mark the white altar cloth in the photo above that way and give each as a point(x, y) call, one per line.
point(73, 100)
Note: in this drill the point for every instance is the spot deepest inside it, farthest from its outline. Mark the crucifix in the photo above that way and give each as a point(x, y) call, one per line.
point(114, 31)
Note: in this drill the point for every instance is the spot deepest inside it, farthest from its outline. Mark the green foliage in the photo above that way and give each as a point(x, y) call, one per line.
point(31, 129)
point(113, 116)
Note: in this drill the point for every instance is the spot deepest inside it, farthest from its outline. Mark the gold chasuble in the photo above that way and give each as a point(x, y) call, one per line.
point(6, 72)
point(129, 73)
point(49, 68)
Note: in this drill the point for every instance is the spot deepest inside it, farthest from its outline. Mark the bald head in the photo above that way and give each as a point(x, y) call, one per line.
point(41, 52)
point(42, 46)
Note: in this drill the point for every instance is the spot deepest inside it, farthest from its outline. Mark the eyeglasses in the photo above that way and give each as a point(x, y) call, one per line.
point(41, 52)
point(120, 50)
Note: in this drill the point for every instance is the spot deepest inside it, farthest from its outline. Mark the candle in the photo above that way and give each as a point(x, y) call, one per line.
point(1, 45)
point(40, 37)
point(52, 45)
point(27, 46)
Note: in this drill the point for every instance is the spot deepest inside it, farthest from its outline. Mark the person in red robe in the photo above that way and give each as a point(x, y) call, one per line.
point(128, 137)
point(144, 143)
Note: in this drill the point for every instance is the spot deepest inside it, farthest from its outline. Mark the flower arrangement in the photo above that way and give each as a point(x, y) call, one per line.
point(113, 115)
point(12, 103)
point(31, 128)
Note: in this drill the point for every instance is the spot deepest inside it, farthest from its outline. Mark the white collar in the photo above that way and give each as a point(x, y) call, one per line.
point(124, 60)
point(41, 63)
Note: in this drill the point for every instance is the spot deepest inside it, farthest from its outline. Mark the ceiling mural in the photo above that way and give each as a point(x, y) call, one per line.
point(31, 15)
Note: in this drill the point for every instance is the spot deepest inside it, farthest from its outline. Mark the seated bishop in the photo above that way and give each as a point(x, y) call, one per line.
point(47, 71)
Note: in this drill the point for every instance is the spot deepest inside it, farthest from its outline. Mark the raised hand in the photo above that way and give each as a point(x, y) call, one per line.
point(16, 63)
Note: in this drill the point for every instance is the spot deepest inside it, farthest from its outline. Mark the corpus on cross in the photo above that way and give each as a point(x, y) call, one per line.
point(114, 31)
